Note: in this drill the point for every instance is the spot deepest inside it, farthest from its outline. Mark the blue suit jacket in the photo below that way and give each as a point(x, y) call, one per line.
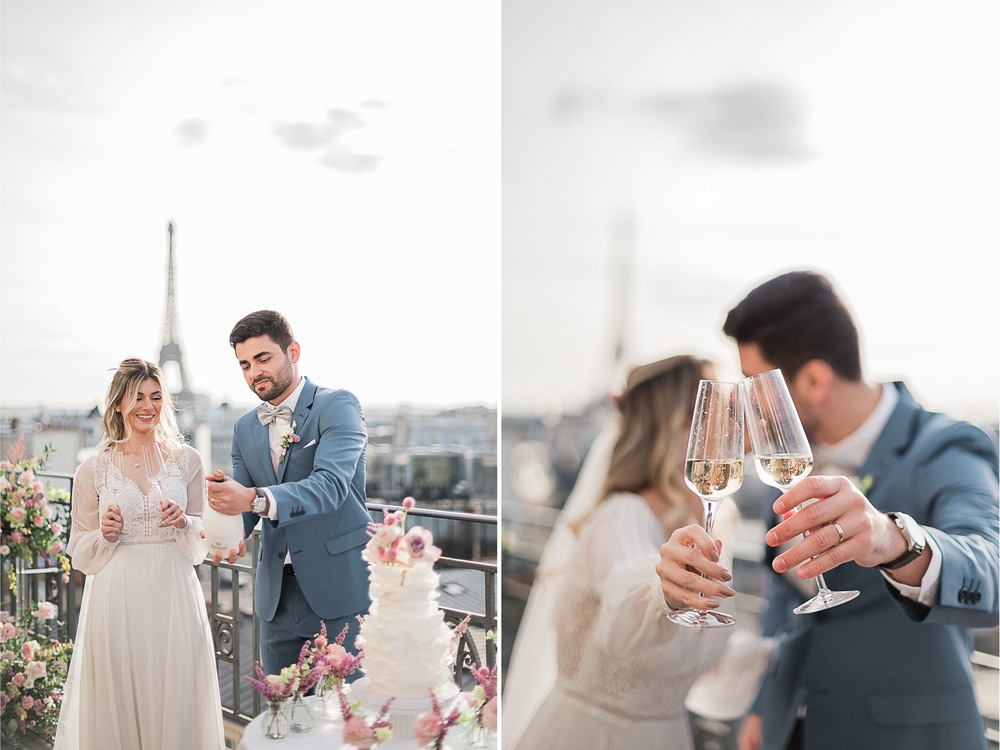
point(883, 672)
point(319, 492)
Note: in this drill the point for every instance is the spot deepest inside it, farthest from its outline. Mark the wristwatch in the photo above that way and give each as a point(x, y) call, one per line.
point(915, 539)
point(259, 502)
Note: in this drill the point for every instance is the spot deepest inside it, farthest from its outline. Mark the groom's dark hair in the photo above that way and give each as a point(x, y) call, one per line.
point(263, 323)
point(794, 318)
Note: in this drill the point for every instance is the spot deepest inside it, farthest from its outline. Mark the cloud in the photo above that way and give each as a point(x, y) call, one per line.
point(747, 120)
point(343, 160)
point(47, 88)
point(192, 131)
point(326, 136)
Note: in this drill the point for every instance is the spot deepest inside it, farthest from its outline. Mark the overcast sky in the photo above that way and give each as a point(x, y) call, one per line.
point(336, 161)
point(739, 140)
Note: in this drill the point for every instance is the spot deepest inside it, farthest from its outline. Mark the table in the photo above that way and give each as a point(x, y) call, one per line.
point(327, 735)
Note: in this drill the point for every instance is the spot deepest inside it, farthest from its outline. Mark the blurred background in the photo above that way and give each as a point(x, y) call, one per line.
point(660, 159)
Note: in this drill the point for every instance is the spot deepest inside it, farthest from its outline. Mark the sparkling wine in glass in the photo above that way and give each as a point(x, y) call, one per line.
point(782, 456)
point(713, 468)
point(156, 471)
point(114, 478)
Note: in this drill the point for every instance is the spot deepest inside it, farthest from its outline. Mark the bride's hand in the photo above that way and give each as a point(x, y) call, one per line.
point(173, 515)
point(689, 554)
point(112, 523)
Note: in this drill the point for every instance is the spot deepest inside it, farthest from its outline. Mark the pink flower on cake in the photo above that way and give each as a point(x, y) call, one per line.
point(391, 543)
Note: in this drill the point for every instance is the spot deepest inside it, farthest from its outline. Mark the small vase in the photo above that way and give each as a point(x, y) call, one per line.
point(326, 696)
point(275, 722)
point(479, 736)
point(299, 715)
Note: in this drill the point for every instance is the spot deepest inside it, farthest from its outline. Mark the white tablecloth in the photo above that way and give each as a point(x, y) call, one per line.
point(327, 734)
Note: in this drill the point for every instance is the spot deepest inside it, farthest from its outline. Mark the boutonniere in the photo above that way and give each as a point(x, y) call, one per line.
point(288, 437)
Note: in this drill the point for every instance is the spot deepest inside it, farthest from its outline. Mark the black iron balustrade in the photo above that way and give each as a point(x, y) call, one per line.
point(231, 616)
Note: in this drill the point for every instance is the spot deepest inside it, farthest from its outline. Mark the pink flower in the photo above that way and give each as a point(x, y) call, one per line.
point(38, 521)
point(489, 715)
point(18, 679)
point(358, 733)
point(9, 631)
point(17, 515)
point(27, 701)
point(28, 649)
point(46, 611)
point(17, 537)
point(409, 503)
point(35, 670)
point(427, 728)
point(57, 547)
point(57, 528)
point(419, 545)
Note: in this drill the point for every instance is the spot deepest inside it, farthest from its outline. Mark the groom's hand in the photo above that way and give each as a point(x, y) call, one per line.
point(233, 554)
point(229, 497)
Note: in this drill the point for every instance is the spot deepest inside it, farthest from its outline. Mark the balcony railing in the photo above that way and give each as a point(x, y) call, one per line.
point(469, 589)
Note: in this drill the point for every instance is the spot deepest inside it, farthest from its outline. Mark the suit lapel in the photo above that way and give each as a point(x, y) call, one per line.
point(896, 436)
point(299, 416)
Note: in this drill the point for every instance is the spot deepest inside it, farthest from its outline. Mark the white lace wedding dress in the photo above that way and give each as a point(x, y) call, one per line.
point(624, 670)
point(143, 673)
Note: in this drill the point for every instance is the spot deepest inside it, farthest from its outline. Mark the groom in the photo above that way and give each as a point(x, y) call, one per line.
point(299, 468)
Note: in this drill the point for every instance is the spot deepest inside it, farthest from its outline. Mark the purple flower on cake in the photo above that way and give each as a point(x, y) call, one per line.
point(392, 544)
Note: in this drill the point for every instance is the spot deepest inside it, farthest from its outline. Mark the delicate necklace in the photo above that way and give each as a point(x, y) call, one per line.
point(134, 453)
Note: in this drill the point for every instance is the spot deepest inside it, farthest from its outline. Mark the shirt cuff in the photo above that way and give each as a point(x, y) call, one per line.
point(272, 507)
point(926, 592)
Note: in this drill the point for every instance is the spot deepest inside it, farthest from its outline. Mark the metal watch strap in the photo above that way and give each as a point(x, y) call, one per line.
point(259, 501)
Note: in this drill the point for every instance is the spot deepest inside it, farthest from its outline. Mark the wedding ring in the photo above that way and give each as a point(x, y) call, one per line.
point(839, 531)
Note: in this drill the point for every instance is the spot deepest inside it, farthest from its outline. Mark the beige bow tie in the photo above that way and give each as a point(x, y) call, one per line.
point(267, 413)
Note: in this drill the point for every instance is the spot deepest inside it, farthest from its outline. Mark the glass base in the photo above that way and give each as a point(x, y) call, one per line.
point(825, 600)
point(700, 618)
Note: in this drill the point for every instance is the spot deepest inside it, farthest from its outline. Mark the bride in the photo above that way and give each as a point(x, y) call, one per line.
point(143, 674)
point(612, 570)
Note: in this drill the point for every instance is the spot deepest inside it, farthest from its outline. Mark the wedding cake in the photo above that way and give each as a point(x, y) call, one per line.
point(408, 648)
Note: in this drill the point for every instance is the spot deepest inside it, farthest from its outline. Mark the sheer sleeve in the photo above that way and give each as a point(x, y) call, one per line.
point(87, 548)
point(621, 545)
point(190, 539)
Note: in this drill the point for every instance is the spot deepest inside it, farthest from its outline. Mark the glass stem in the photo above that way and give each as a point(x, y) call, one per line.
point(711, 507)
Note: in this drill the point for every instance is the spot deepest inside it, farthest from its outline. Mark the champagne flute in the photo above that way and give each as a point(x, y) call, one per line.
point(114, 477)
point(713, 468)
point(156, 469)
point(782, 456)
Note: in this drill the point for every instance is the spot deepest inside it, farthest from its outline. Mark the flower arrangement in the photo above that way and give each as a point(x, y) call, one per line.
point(483, 698)
point(32, 673)
point(333, 662)
point(275, 687)
point(392, 544)
point(288, 438)
point(28, 525)
point(432, 726)
point(358, 731)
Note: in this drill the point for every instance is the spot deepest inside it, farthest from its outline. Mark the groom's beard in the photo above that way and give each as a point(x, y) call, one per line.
point(279, 383)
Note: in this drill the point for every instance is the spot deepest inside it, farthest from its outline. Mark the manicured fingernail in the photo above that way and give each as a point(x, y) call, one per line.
point(711, 604)
point(726, 576)
point(713, 555)
point(726, 591)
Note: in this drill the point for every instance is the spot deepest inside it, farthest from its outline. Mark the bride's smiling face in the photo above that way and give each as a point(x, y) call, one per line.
point(145, 414)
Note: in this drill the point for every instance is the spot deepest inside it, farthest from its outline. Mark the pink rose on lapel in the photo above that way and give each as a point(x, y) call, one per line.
point(288, 437)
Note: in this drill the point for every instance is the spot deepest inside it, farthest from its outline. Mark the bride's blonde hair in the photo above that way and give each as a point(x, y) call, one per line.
point(655, 418)
point(123, 393)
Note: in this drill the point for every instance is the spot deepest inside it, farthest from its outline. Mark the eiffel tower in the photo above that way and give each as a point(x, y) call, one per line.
point(170, 351)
